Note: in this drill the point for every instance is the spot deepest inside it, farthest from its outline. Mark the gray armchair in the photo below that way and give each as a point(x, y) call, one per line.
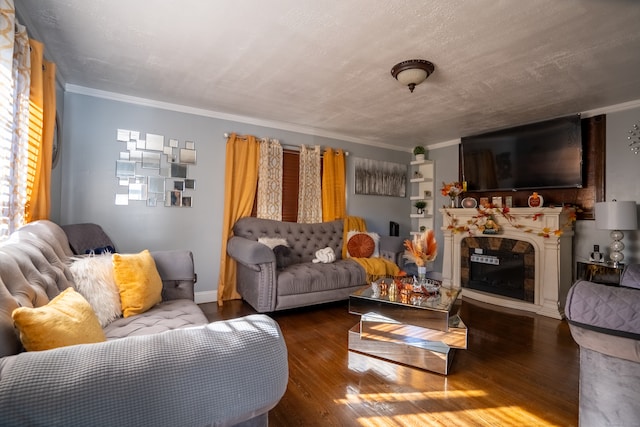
point(605, 322)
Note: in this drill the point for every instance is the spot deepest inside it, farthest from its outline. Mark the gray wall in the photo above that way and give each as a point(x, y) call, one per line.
point(622, 178)
point(622, 182)
point(86, 183)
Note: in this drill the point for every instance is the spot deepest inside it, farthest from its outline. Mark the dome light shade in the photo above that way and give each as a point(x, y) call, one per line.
point(412, 72)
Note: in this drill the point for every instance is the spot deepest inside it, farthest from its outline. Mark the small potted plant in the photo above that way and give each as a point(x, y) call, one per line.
point(420, 205)
point(418, 152)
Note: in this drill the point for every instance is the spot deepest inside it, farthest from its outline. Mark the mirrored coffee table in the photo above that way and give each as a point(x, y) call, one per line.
point(411, 328)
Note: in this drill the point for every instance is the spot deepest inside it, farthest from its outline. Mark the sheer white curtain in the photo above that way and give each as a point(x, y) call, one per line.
point(15, 65)
point(310, 192)
point(269, 203)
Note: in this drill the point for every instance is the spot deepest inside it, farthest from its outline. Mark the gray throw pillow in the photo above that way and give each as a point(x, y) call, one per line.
point(283, 256)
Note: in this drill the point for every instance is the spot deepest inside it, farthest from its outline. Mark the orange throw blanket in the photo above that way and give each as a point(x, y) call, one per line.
point(377, 268)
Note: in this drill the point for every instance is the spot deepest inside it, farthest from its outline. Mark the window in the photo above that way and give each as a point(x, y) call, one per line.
point(290, 181)
point(27, 102)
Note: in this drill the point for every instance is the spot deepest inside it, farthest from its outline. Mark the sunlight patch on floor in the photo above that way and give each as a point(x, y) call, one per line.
point(476, 410)
point(407, 397)
point(506, 416)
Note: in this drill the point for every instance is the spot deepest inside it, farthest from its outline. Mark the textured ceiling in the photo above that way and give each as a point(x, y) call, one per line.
point(323, 66)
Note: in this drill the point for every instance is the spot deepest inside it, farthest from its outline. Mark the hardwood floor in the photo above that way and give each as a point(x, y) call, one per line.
point(520, 369)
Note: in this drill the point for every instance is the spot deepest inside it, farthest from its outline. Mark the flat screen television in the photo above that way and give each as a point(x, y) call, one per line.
point(540, 155)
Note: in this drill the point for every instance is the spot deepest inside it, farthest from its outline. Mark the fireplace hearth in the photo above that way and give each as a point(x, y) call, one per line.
point(543, 259)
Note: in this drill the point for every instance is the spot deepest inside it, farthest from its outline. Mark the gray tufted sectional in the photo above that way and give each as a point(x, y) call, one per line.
point(164, 367)
point(302, 282)
point(605, 322)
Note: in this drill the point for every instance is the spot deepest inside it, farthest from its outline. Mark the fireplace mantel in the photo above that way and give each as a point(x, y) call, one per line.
point(553, 254)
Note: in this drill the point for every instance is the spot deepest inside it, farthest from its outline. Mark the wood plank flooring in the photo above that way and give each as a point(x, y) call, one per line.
point(520, 370)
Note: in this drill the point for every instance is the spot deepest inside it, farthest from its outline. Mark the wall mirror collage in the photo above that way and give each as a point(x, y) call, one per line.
point(154, 169)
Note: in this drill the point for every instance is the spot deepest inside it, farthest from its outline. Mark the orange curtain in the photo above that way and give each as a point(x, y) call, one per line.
point(240, 183)
point(42, 118)
point(333, 185)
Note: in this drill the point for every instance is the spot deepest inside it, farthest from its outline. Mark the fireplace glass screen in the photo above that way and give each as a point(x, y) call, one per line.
point(500, 266)
point(498, 273)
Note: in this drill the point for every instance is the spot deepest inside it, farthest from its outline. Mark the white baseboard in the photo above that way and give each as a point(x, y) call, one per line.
point(206, 296)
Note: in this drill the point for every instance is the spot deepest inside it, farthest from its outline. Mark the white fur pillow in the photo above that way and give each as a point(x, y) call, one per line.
point(94, 280)
point(272, 242)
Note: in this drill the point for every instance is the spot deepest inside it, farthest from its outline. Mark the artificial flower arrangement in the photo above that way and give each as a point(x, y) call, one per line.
point(422, 249)
point(452, 189)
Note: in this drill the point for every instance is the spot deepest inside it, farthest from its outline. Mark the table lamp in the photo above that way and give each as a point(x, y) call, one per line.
point(616, 216)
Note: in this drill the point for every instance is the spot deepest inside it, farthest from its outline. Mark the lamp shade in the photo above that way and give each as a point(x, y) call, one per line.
point(615, 215)
point(412, 75)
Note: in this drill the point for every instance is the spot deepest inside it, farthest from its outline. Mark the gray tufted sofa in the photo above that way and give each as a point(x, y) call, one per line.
point(605, 322)
point(267, 288)
point(165, 367)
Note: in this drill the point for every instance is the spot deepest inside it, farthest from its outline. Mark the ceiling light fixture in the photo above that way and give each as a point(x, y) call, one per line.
point(412, 72)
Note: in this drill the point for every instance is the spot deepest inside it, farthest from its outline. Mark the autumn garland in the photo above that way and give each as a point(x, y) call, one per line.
point(484, 213)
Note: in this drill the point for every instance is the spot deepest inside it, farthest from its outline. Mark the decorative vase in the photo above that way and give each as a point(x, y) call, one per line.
point(453, 202)
point(422, 274)
point(419, 157)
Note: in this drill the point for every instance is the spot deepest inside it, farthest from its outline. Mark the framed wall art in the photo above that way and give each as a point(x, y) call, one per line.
point(380, 178)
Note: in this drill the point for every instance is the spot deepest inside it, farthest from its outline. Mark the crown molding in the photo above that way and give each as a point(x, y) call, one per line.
point(444, 144)
point(113, 96)
point(589, 113)
point(612, 109)
point(82, 90)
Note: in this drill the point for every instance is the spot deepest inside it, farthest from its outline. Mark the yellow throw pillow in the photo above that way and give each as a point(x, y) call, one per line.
point(138, 281)
point(68, 319)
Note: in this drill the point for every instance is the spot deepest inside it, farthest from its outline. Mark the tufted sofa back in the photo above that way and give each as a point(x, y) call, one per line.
point(303, 239)
point(33, 270)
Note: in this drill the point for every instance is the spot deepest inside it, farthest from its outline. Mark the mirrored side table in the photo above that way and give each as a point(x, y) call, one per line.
point(599, 272)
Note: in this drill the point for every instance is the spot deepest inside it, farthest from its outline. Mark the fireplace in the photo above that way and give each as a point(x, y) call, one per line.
point(485, 265)
point(504, 267)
